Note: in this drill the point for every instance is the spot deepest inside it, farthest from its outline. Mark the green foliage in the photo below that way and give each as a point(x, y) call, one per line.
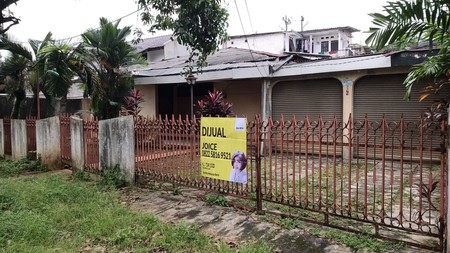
point(217, 200)
point(112, 177)
point(176, 190)
point(214, 105)
point(357, 241)
point(418, 20)
point(50, 214)
point(199, 24)
point(289, 223)
point(10, 168)
point(49, 65)
point(107, 54)
point(8, 19)
point(81, 175)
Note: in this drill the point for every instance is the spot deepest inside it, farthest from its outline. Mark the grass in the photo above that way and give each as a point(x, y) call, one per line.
point(10, 168)
point(52, 214)
point(357, 241)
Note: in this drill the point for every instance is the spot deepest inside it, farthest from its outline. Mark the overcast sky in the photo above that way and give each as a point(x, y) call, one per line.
point(70, 18)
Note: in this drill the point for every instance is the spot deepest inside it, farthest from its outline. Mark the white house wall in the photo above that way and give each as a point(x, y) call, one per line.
point(155, 55)
point(173, 50)
point(268, 43)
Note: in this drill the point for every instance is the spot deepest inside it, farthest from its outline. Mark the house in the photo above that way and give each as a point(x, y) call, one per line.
point(321, 82)
point(334, 41)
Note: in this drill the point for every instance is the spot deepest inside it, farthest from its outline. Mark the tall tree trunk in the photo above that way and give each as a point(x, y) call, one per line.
point(63, 104)
point(56, 105)
point(19, 96)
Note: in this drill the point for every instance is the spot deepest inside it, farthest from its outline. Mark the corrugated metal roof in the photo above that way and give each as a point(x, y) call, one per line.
point(152, 43)
point(223, 59)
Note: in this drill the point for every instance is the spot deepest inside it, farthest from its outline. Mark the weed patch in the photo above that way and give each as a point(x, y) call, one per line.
point(357, 241)
point(112, 177)
point(10, 168)
point(217, 200)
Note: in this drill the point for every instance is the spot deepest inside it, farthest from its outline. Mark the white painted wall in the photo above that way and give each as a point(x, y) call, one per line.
point(18, 139)
point(155, 55)
point(273, 43)
point(173, 50)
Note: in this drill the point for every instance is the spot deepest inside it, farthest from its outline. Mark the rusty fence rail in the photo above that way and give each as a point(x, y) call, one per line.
point(389, 175)
point(7, 135)
point(91, 144)
point(66, 155)
point(383, 173)
point(31, 133)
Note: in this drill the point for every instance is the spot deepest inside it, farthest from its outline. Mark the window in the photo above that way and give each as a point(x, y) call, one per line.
point(334, 45)
point(324, 46)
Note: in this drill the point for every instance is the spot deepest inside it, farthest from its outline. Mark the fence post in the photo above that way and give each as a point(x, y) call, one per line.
point(447, 246)
point(259, 209)
point(76, 143)
point(2, 140)
point(18, 139)
point(48, 139)
point(116, 145)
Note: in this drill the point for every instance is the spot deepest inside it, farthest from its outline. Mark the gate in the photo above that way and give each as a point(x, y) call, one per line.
point(31, 134)
point(66, 155)
point(91, 145)
point(386, 179)
point(7, 135)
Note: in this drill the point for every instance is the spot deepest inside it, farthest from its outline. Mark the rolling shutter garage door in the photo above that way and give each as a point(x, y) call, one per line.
point(378, 95)
point(308, 98)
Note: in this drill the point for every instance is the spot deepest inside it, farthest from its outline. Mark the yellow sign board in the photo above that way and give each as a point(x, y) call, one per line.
point(223, 147)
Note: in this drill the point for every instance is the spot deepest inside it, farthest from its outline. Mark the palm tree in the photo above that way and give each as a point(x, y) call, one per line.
point(107, 55)
point(58, 63)
point(418, 20)
point(14, 70)
point(49, 67)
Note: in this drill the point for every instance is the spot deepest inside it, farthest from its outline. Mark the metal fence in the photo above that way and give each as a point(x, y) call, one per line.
point(7, 135)
point(66, 155)
point(385, 174)
point(91, 144)
point(31, 133)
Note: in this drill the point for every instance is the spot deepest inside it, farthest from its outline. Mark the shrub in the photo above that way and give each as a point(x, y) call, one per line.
point(112, 177)
point(214, 105)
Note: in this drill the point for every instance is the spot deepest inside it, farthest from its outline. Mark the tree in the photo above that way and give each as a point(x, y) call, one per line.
point(7, 19)
point(107, 55)
point(199, 24)
point(58, 63)
point(49, 66)
point(14, 71)
point(420, 20)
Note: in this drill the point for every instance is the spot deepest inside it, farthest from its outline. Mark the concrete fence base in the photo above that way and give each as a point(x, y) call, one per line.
point(77, 143)
point(18, 139)
point(116, 145)
point(48, 142)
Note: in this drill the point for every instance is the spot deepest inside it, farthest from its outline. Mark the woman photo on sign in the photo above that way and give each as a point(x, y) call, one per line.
point(238, 163)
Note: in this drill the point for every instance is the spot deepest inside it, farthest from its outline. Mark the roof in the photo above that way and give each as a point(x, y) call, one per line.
point(221, 58)
point(341, 28)
point(153, 43)
point(255, 34)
